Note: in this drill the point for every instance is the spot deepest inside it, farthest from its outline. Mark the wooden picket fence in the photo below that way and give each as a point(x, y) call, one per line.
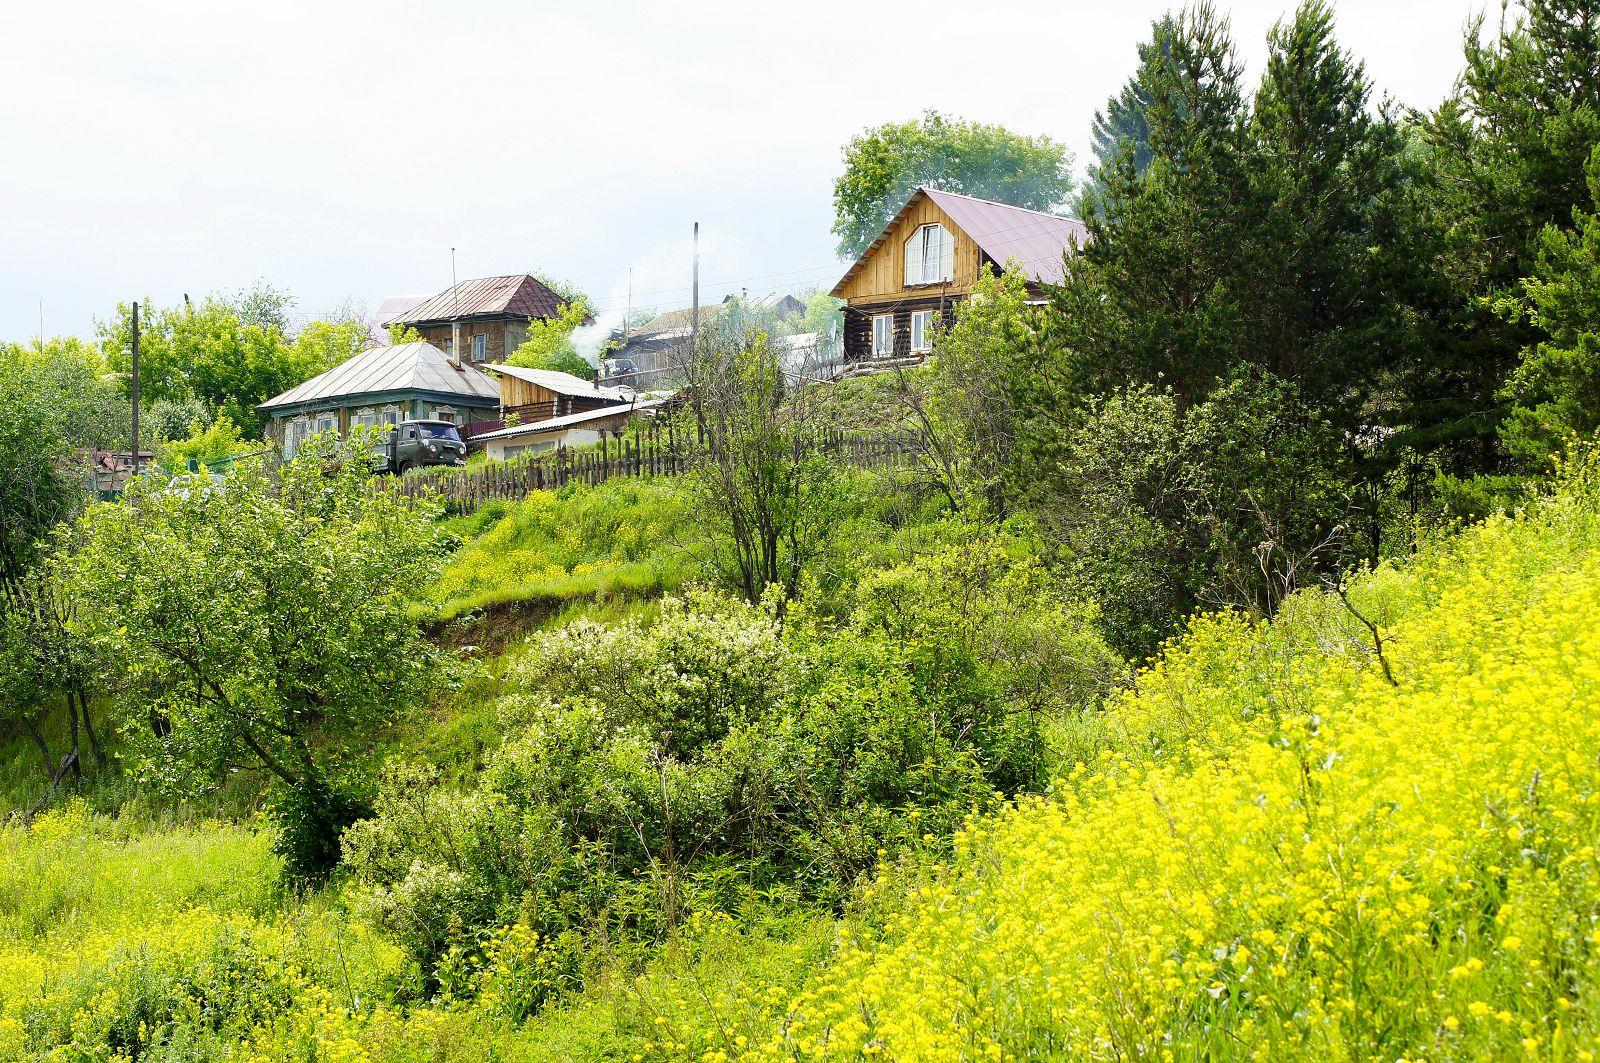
point(648, 453)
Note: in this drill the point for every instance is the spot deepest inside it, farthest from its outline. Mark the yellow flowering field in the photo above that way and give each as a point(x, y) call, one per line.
point(1279, 854)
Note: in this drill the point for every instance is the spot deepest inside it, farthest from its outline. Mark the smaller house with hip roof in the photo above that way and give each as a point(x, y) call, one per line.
point(381, 386)
point(929, 258)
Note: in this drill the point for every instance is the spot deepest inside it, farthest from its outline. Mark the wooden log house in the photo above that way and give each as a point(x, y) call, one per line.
point(929, 257)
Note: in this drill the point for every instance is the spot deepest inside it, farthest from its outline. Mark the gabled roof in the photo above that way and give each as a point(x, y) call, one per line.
point(571, 420)
point(1037, 241)
point(562, 383)
point(521, 295)
point(418, 367)
point(675, 321)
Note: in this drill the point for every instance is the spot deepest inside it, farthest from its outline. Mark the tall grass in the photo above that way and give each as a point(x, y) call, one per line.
point(621, 539)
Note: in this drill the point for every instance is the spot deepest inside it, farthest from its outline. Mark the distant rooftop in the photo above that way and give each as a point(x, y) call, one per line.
point(520, 295)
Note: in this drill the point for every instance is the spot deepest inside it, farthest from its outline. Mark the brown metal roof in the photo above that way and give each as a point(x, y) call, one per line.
point(1037, 242)
point(520, 295)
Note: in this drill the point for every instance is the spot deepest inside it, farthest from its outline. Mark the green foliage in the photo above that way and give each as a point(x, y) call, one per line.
point(766, 493)
point(708, 758)
point(885, 164)
point(221, 439)
point(548, 344)
point(1234, 502)
point(1502, 159)
point(966, 400)
point(262, 623)
point(1556, 388)
point(618, 540)
point(230, 352)
point(170, 420)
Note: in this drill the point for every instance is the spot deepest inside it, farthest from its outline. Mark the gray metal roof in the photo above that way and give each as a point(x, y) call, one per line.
point(406, 367)
point(1037, 242)
point(562, 383)
point(571, 420)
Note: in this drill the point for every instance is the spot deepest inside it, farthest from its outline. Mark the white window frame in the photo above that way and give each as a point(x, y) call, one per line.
point(921, 331)
point(332, 420)
point(480, 347)
point(391, 415)
point(882, 328)
point(446, 413)
point(930, 255)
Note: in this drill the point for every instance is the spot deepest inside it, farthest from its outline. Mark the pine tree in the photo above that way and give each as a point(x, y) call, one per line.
point(1502, 159)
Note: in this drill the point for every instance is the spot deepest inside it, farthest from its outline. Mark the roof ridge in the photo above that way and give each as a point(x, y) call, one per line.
point(997, 203)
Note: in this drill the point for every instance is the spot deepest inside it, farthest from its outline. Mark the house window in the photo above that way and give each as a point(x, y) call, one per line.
point(326, 422)
point(391, 415)
point(922, 330)
point(445, 413)
point(930, 255)
point(882, 335)
point(480, 347)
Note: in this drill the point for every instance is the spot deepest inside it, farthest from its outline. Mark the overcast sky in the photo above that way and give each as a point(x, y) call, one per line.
point(339, 150)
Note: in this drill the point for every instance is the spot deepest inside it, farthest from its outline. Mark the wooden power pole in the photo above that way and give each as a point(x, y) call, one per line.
point(135, 388)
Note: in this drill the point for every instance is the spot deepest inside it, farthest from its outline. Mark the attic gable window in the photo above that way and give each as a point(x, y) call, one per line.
point(930, 256)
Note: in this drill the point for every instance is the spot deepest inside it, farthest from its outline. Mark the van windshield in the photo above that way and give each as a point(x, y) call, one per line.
point(439, 431)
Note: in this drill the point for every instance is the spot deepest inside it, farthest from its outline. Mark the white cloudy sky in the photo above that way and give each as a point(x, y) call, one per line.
point(340, 149)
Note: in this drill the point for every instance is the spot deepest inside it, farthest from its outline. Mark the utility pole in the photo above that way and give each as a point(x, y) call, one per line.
point(455, 323)
point(135, 388)
point(694, 312)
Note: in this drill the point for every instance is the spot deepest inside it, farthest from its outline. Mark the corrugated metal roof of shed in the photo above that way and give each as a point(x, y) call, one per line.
point(562, 383)
point(521, 295)
point(404, 367)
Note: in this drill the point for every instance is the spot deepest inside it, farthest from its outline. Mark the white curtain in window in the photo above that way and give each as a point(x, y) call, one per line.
point(930, 255)
point(883, 334)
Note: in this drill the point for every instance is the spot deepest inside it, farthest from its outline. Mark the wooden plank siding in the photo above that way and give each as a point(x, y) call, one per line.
point(883, 277)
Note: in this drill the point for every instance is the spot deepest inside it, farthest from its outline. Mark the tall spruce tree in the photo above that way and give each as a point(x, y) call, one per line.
point(1500, 160)
point(1318, 282)
point(1124, 125)
point(1151, 298)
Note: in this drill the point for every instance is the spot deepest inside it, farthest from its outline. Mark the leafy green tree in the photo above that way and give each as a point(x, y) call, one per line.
point(1502, 159)
point(231, 353)
point(325, 344)
point(548, 344)
point(1556, 388)
point(884, 164)
point(763, 482)
point(55, 402)
point(263, 624)
point(220, 439)
point(965, 399)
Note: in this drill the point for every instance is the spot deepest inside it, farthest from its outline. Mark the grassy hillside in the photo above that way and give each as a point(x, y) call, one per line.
point(1264, 850)
point(1279, 854)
